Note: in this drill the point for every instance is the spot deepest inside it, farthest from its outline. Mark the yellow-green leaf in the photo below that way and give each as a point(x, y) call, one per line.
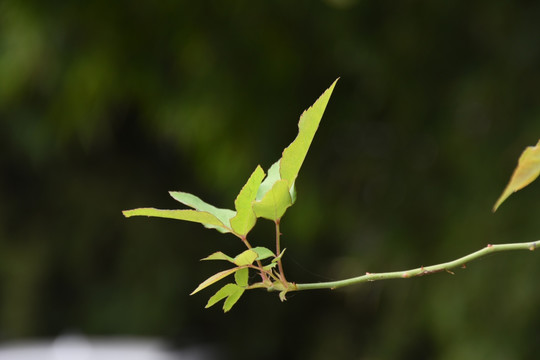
point(203, 217)
point(275, 202)
point(295, 153)
point(231, 292)
point(245, 218)
point(263, 253)
point(214, 278)
point(219, 256)
point(223, 215)
point(241, 277)
point(527, 171)
point(245, 258)
point(233, 298)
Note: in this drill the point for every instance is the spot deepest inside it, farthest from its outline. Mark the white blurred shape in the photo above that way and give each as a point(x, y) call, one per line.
point(75, 347)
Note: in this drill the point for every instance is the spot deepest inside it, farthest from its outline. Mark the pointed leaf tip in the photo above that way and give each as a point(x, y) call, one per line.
point(526, 172)
point(295, 153)
point(214, 278)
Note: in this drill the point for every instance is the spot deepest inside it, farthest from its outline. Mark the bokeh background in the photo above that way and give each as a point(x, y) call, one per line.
point(105, 106)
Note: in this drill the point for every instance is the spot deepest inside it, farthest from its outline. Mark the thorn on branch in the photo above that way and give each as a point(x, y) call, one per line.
point(464, 266)
point(450, 272)
point(489, 245)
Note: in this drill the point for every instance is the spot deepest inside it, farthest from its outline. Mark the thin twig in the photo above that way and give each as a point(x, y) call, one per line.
point(423, 270)
point(278, 251)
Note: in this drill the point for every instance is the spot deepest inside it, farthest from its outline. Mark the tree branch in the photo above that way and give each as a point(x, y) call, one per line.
point(423, 270)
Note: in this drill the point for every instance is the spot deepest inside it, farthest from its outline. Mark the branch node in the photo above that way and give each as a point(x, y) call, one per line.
point(489, 245)
point(405, 275)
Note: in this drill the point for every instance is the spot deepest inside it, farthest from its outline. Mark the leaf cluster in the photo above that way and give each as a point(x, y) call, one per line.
point(266, 196)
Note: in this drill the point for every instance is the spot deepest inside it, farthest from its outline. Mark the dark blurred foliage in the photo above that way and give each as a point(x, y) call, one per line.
point(106, 106)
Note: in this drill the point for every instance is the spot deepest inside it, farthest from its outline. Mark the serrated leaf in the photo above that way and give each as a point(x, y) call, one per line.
point(263, 253)
point(241, 277)
point(245, 258)
point(202, 217)
point(221, 294)
point(275, 202)
point(527, 171)
point(233, 298)
point(219, 256)
point(295, 153)
point(245, 218)
point(214, 278)
point(223, 215)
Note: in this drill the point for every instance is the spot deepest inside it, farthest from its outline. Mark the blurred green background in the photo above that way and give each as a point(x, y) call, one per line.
point(106, 106)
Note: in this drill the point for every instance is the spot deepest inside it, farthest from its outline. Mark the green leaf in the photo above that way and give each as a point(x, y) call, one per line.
point(245, 258)
point(241, 277)
point(203, 217)
point(295, 153)
point(233, 298)
point(269, 181)
point(270, 266)
point(277, 258)
point(526, 172)
point(263, 253)
point(276, 201)
point(245, 218)
point(223, 215)
point(219, 256)
point(232, 292)
point(214, 278)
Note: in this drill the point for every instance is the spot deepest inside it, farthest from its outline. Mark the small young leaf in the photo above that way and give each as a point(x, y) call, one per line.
point(223, 215)
point(214, 278)
point(203, 217)
point(245, 218)
point(275, 202)
point(219, 256)
point(263, 253)
point(277, 258)
point(270, 266)
point(241, 277)
point(221, 294)
point(295, 153)
point(527, 171)
point(233, 298)
point(245, 258)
